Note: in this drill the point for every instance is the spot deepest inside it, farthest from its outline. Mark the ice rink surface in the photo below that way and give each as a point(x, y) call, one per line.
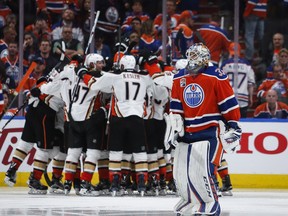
point(16, 201)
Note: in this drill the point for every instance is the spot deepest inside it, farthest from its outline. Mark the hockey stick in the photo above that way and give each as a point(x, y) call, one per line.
point(86, 51)
point(21, 83)
point(46, 177)
point(92, 32)
point(15, 114)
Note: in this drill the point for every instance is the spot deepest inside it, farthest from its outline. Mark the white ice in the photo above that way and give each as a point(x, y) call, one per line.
point(16, 201)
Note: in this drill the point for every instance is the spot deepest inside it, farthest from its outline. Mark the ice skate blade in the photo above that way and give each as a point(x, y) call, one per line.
point(8, 182)
point(89, 193)
point(56, 191)
point(227, 193)
point(37, 192)
point(66, 192)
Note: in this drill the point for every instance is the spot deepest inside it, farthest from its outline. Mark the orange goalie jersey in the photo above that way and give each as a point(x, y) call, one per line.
point(194, 97)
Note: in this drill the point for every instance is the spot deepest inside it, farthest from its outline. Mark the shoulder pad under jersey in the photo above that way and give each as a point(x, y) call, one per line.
point(215, 71)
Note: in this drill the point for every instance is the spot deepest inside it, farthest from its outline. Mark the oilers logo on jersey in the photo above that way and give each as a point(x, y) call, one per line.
point(193, 95)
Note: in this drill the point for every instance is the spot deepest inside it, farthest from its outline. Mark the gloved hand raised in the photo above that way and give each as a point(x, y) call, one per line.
point(81, 71)
point(35, 92)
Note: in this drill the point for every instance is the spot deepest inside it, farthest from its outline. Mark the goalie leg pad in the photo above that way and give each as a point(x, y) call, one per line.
point(193, 179)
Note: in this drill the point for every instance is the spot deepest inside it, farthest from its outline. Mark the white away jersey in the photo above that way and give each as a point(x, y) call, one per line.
point(129, 90)
point(245, 77)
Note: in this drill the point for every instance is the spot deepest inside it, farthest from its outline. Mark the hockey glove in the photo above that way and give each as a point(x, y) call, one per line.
point(81, 72)
point(230, 138)
point(152, 59)
point(35, 92)
point(174, 128)
point(41, 80)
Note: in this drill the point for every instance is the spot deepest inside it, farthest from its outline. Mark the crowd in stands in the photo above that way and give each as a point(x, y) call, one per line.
point(51, 29)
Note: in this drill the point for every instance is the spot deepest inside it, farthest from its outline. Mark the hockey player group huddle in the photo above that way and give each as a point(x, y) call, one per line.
point(132, 124)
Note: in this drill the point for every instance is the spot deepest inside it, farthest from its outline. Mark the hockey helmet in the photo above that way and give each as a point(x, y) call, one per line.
point(127, 62)
point(92, 59)
point(198, 56)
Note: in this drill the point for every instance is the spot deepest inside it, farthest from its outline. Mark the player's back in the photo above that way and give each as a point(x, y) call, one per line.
point(130, 89)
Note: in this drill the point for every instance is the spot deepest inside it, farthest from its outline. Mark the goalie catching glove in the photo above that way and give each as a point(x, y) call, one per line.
point(174, 128)
point(230, 138)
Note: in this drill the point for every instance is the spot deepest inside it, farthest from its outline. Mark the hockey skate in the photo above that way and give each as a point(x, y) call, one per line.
point(141, 185)
point(115, 186)
point(67, 187)
point(163, 186)
point(10, 175)
point(216, 184)
point(153, 187)
point(126, 185)
point(226, 189)
point(76, 186)
point(57, 186)
point(87, 189)
point(35, 186)
point(172, 190)
point(102, 187)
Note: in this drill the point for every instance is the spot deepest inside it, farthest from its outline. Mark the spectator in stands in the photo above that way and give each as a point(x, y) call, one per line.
point(68, 44)
point(7, 81)
point(183, 35)
point(137, 11)
point(35, 75)
point(84, 20)
point(40, 28)
point(215, 38)
point(45, 53)
point(171, 12)
point(29, 8)
point(4, 12)
point(254, 16)
point(245, 78)
point(271, 54)
point(147, 40)
point(188, 5)
point(282, 59)
point(101, 48)
point(68, 19)
point(54, 8)
point(112, 12)
point(5, 101)
point(11, 62)
point(134, 37)
point(278, 82)
point(135, 25)
point(11, 21)
point(30, 46)
point(9, 35)
point(272, 108)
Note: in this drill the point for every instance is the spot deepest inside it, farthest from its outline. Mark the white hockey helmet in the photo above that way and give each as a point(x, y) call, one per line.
point(180, 64)
point(92, 59)
point(198, 56)
point(127, 62)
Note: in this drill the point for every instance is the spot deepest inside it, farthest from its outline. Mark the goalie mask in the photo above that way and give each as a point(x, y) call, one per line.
point(198, 56)
point(127, 62)
point(94, 62)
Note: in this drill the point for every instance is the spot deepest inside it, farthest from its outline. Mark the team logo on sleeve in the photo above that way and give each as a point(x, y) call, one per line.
point(193, 95)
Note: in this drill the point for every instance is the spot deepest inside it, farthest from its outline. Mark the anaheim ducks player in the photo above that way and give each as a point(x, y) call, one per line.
point(126, 123)
point(87, 126)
